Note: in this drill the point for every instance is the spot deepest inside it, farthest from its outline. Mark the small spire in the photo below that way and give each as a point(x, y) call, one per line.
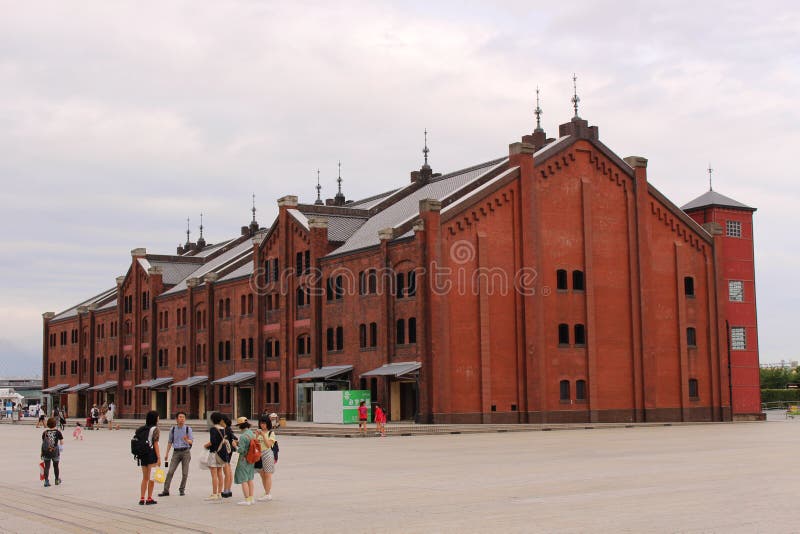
point(254, 208)
point(575, 98)
point(187, 231)
point(425, 149)
point(201, 225)
point(339, 179)
point(318, 202)
point(710, 170)
point(538, 112)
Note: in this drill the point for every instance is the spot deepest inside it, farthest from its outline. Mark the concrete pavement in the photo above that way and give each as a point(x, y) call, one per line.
point(688, 478)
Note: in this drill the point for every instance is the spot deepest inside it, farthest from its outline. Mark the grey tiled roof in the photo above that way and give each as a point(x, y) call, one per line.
point(367, 203)
point(97, 299)
point(240, 251)
point(244, 270)
point(210, 249)
point(712, 198)
point(408, 206)
point(174, 272)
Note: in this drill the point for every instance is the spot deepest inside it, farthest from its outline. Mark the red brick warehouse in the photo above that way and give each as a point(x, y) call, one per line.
point(553, 284)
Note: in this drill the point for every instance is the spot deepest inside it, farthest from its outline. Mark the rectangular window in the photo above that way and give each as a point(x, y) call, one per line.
point(693, 393)
point(738, 338)
point(733, 228)
point(691, 337)
point(735, 291)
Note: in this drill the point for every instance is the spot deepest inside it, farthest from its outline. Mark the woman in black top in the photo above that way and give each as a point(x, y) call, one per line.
point(226, 469)
point(153, 459)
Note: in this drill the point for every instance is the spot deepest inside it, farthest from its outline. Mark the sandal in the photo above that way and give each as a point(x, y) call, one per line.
point(150, 501)
point(141, 501)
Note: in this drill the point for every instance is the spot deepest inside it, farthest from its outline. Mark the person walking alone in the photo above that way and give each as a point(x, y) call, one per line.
point(150, 460)
point(180, 439)
point(51, 440)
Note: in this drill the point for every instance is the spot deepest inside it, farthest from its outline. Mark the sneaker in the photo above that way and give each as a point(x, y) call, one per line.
point(46, 483)
point(226, 494)
point(265, 497)
point(150, 501)
point(164, 493)
point(245, 503)
point(58, 481)
point(212, 497)
point(141, 502)
point(181, 493)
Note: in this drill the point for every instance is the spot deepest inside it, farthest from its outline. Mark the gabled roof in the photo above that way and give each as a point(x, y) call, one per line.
point(172, 272)
point(712, 198)
point(407, 207)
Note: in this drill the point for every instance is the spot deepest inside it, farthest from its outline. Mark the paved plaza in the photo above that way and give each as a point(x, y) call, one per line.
point(727, 478)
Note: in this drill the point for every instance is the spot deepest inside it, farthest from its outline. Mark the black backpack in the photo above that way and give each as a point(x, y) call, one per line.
point(49, 445)
point(140, 445)
point(275, 450)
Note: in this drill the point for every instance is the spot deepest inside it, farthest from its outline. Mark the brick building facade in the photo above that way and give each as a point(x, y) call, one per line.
point(553, 284)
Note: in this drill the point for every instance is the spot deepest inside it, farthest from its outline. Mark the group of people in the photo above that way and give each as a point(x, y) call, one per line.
point(219, 450)
point(363, 416)
point(101, 416)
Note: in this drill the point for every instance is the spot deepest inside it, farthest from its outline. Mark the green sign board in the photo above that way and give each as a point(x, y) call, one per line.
point(351, 398)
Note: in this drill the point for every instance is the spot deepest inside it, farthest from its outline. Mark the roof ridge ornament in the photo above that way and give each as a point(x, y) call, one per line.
point(254, 208)
point(339, 198)
point(200, 241)
point(538, 113)
point(187, 231)
point(318, 202)
point(575, 97)
point(425, 149)
point(710, 170)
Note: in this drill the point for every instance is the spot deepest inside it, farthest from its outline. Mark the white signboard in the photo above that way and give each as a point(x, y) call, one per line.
point(327, 406)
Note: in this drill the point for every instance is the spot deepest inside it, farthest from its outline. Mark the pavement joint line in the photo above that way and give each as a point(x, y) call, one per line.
point(128, 516)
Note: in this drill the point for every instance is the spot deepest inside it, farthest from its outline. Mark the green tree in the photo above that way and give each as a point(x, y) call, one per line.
point(778, 377)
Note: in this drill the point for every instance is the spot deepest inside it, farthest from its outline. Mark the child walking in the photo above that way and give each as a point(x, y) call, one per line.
point(380, 421)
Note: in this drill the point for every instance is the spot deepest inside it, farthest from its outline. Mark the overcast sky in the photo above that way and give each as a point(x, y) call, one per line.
point(120, 119)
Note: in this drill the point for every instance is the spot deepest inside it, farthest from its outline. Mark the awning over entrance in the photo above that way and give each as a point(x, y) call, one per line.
point(55, 389)
point(192, 381)
point(104, 386)
point(155, 383)
point(236, 378)
point(324, 373)
point(394, 369)
point(75, 389)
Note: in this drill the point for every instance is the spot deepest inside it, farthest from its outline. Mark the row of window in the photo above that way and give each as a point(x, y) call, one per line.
point(565, 390)
point(738, 337)
point(579, 335)
point(735, 289)
point(578, 282)
point(100, 364)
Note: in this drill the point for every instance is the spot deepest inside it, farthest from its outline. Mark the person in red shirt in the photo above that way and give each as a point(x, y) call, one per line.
point(362, 418)
point(380, 421)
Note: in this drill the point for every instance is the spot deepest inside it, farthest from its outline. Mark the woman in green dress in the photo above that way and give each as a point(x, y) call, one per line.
point(245, 471)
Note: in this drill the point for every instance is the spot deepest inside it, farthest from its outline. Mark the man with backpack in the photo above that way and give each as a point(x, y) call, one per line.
point(180, 439)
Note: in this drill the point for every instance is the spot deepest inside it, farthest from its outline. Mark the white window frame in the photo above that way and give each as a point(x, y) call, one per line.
point(733, 228)
point(735, 291)
point(738, 338)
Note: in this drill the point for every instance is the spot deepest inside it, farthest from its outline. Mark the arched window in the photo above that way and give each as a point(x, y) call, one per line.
point(412, 283)
point(362, 335)
point(580, 334)
point(561, 279)
point(329, 334)
point(580, 390)
point(339, 338)
point(399, 285)
point(373, 334)
point(563, 334)
point(227, 307)
point(563, 389)
point(221, 312)
point(577, 281)
point(412, 330)
point(400, 332)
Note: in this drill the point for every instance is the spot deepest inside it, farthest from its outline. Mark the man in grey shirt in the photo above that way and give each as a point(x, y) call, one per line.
point(180, 439)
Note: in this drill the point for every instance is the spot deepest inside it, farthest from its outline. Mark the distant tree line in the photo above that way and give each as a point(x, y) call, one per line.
point(779, 377)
